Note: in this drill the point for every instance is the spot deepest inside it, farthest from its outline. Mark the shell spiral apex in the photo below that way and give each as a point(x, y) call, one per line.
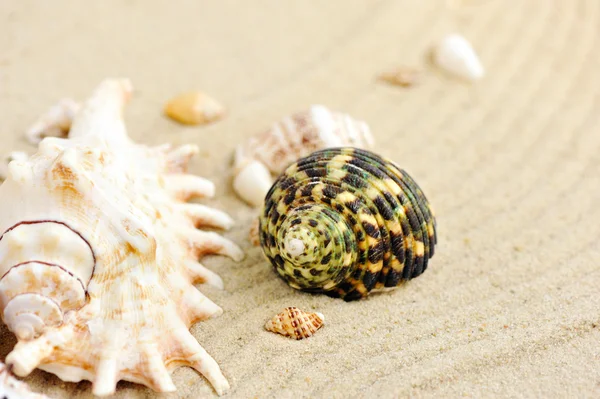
point(345, 221)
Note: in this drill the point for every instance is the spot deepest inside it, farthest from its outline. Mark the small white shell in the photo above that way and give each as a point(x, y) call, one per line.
point(455, 55)
point(291, 138)
point(56, 122)
point(11, 388)
point(295, 323)
point(252, 182)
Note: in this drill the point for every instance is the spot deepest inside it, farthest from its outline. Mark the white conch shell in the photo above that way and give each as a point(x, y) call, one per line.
point(295, 323)
point(455, 55)
point(56, 122)
point(11, 388)
point(98, 255)
point(291, 138)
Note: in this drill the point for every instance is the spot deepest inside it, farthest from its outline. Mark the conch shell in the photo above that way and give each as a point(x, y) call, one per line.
point(289, 139)
point(295, 323)
point(98, 255)
point(11, 388)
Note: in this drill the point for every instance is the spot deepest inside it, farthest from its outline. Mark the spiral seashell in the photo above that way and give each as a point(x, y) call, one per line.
point(291, 138)
point(345, 221)
point(295, 323)
point(99, 254)
point(11, 388)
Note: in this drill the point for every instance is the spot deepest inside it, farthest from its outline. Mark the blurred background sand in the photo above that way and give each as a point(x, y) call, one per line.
point(509, 306)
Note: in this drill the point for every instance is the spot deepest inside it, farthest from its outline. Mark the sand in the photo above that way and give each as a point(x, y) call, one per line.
point(509, 306)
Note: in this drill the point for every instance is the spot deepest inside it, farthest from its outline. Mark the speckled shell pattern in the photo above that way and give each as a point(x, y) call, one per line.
point(295, 323)
point(344, 222)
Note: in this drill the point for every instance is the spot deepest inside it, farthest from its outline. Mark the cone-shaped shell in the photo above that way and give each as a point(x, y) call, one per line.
point(295, 323)
point(345, 221)
point(456, 56)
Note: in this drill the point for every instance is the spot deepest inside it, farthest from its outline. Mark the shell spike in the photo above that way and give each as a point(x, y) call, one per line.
point(202, 215)
point(196, 357)
point(184, 187)
point(27, 355)
point(56, 122)
point(158, 375)
point(198, 307)
point(105, 382)
point(102, 114)
point(20, 171)
point(207, 242)
point(200, 274)
point(179, 158)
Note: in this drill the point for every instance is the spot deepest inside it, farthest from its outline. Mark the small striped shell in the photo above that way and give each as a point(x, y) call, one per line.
point(345, 221)
point(293, 137)
point(295, 323)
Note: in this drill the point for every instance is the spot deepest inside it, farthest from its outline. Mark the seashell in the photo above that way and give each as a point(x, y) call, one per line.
point(455, 55)
point(345, 221)
point(11, 388)
point(289, 139)
point(98, 255)
point(401, 76)
point(56, 122)
point(194, 108)
point(295, 323)
point(252, 182)
point(12, 156)
point(253, 234)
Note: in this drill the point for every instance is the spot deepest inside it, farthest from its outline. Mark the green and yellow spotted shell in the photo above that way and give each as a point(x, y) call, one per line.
point(345, 221)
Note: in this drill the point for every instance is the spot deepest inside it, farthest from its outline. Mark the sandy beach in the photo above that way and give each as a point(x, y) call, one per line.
point(509, 306)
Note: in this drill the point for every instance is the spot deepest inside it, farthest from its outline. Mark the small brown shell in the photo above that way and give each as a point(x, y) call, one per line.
point(194, 108)
point(295, 323)
point(253, 234)
point(401, 76)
